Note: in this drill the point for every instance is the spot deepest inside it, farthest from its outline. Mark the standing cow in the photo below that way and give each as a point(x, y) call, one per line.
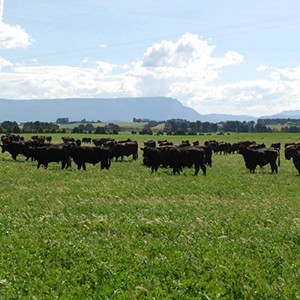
point(260, 157)
point(91, 155)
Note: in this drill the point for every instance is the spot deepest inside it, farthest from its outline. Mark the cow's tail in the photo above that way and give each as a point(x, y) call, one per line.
point(278, 154)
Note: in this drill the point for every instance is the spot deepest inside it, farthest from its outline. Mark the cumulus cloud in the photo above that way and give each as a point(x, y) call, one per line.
point(181, 69)
point(186, 69)
point(12, 36)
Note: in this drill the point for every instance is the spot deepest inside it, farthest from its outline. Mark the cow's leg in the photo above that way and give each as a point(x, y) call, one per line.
point(197, 168)
point(274, 168)
point(203, 168)
point(69, 163)
point(176, 169)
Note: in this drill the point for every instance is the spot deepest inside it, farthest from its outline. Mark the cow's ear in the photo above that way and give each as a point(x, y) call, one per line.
point(142, 149)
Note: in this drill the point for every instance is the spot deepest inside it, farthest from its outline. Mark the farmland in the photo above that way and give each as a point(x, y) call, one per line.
point(126, 233)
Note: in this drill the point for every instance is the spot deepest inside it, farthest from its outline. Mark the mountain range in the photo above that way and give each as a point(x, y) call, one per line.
point(113, 110)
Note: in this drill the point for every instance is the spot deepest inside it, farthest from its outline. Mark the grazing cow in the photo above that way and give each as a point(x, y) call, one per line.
point(174, 157)
point(187, 157)
point(293, 151)
point(222, 147)
point(54, 153)
point(152, 157)
point(234, 148)
point(91, 155)
point(11, 137)
point(259, 157)
point(103, 142)
point(39, 139)
point(86, 140)
point(125, 148)
point(68, 139)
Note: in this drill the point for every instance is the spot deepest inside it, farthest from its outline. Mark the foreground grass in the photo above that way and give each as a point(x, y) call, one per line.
point(129, 234)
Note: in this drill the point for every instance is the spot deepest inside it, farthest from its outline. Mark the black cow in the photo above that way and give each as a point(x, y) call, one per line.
point(16, 148)
point(208, 154)
point(276, 145)
point(234, 147)
point(52, 153)
point(222, 147)
point(152, 157)
point(259, 157)
point(293, 151)
point(125, 148)
point(150, 143)
point(86, 140)
point(103, 141)
point(91, 155)
point(187, 157)
point(174, 157)
point(68, 139)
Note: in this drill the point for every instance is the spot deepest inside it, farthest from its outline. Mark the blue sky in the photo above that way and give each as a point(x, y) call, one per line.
point(225, 56)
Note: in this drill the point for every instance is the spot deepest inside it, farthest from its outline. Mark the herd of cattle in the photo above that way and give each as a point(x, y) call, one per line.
point(165, 154)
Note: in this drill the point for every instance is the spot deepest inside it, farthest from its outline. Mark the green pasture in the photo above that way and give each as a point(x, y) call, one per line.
point(126, 233)
point(124, 125)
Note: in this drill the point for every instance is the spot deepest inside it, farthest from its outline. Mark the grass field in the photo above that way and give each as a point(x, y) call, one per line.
point(128, 234)
point(123, 125)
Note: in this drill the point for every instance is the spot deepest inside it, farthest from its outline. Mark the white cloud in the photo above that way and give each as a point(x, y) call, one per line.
point(13, 37)
point(4, 63)
point(261, 68)
point(1, 9)
point(186, 69)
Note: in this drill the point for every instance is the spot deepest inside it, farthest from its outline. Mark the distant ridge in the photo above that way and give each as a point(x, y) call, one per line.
point(114, 110)
point(77, 109)
point(286, 114)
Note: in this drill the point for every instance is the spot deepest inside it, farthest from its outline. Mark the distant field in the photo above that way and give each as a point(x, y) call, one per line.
point(126, 233)
point(124, 125)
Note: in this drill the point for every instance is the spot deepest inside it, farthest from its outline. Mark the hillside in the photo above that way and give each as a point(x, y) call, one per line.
point(117, 110)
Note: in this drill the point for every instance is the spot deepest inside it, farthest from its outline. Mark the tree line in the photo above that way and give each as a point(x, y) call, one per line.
point(170, 127)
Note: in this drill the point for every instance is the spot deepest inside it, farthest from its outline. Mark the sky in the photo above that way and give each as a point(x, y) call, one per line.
point(217, 56)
